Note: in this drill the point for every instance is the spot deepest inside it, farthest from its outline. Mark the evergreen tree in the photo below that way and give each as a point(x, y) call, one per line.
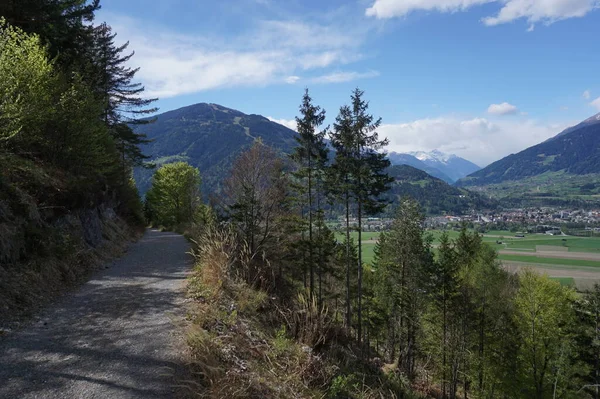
point(340, 180)
point(368, 167)
point(402, 261)
point(114, 84)
point(114, 81)
point(443, 290)
point(311, 156)
point(64, 25)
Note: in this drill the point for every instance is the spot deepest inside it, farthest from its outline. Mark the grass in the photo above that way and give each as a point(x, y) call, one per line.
point(549, 261)
point(245, 343)
point(565, 281)
point(509, 242)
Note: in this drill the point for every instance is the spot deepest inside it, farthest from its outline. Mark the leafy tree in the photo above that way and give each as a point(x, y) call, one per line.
point(589, 338)
point(255, 196)
point(544, 316)
point(175, 194)
point(63, 25)
point(27, 82)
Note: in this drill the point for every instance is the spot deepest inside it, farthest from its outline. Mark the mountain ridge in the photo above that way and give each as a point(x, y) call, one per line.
point(208, 136)
point(575, 151)
point(448, 167)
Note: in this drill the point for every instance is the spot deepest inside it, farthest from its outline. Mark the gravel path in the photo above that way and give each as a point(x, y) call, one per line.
point(114, 338)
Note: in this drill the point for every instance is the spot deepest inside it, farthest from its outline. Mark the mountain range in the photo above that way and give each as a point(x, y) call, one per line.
point(435, 196)
point(448, 167)
point(209, 137)
point(573, 152)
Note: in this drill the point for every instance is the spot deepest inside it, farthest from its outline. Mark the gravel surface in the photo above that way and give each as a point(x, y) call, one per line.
point(113, 338)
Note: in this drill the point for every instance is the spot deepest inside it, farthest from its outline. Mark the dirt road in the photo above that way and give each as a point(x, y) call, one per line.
point(113, 338)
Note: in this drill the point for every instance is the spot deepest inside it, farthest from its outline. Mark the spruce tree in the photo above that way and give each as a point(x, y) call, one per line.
point(369, 165)
point(114, 81)
point(311, 156)
point(124, 107)
point(340, 180)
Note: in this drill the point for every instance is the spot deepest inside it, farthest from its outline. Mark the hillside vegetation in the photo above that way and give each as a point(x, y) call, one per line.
point(576, 151)
point(67, 199)
point(281, 307)
point(435, 196)
point(208, 137)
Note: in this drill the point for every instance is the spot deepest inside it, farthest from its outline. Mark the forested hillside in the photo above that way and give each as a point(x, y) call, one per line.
point(435, 196)
point(67, 101)
point(281, 308)
point(576, 151)
point(209, 137)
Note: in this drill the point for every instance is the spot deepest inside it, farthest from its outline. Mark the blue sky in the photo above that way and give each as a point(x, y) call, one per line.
point(479, 78)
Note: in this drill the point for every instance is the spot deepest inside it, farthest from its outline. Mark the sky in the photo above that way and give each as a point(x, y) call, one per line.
point(478, 78)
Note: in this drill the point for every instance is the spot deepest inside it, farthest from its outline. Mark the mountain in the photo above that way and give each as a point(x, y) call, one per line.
point(574, 151)
point(410, 160)
point(209, 137)
point(451, 165)
point(435, 196)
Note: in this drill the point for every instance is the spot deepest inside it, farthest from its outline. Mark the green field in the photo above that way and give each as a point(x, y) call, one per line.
point(549, 261)
point(565, 281)
point(509, 242)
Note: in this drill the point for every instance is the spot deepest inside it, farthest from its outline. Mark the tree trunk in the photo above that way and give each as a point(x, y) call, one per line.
point(310, 228)
point(359, 287)
point(348, 306)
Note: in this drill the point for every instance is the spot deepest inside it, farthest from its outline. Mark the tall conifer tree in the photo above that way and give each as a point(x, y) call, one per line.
point(311, 157)
point(369, 166)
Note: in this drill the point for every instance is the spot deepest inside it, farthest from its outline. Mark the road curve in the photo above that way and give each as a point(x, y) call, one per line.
point(113, 338)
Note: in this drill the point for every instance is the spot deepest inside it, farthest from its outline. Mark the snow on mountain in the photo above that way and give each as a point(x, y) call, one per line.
point(434, 156)
point(451, 165)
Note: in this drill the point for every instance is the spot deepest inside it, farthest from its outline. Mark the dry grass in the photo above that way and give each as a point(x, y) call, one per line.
point(244, 343)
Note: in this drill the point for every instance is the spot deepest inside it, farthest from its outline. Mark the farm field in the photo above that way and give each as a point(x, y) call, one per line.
point(551, 261)
point(574, 261)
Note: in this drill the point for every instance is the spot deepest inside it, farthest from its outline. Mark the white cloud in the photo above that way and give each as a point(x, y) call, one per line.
point(502, 109)
point(546, 11)
point(272, 52)
point(596, 103)
point(339, 77)
point(292, 79)
point(534, 11)
point(289, 123)
point(399, 8)
point(478, 139)
point(587, 95)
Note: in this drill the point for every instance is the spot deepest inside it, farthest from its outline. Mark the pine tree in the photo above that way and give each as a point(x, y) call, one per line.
point(340, 181)
point(311, 156)
point(402, 261)
point(114, 81)
point(64, 25)
point(368, 167)
point(114, 84)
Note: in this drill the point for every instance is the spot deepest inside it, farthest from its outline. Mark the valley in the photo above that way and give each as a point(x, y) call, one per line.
point(571, 257)
point(269, 199)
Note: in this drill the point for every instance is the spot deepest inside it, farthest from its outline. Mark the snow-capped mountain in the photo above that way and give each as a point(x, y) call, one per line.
point(410, 160)
point(450, 165)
